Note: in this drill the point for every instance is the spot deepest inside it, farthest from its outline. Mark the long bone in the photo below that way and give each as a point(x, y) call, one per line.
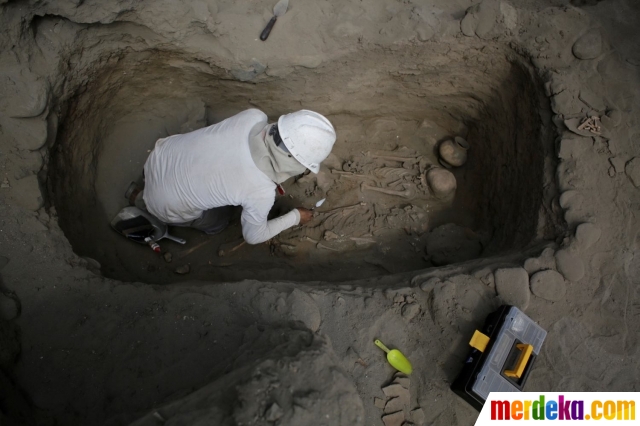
point(345, 208)
point(318, 243)
point(409, 192)
point(396, 158)
point(352, 175)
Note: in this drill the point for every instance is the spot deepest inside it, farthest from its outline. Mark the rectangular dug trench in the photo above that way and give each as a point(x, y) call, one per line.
point(391, 111)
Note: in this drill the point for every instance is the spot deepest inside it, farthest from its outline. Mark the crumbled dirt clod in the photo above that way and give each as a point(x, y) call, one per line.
point(548, 285)
point(182, 270)
point(402, 380)
point(395, 419)
point(273, 413)
point(569, 265)
point(396, 390)
point(417, 416)
point(394, 405)
point(512, 285)
point(410, 310)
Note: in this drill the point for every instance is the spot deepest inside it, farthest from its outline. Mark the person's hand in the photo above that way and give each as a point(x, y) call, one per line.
point(305, 215)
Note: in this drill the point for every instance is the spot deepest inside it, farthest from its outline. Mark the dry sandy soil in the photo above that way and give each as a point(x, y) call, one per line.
point(97, 330)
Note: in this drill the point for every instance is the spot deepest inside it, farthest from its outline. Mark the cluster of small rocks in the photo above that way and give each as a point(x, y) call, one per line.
point(397, 403)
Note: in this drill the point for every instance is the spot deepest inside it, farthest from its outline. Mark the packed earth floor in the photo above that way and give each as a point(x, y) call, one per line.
point(95, 329)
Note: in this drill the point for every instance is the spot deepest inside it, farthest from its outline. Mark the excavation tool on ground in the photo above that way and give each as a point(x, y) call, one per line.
point(278, 10)
point(501, 357)
point(142, 227)
point(318, 204)
point(395, 358)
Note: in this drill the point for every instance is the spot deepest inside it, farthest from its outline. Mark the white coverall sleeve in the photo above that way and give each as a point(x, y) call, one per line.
point(256, 233)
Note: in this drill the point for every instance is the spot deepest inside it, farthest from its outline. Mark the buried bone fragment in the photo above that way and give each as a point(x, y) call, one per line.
point(397, 158)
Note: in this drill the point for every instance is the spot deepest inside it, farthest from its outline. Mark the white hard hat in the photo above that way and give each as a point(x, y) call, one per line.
point(308, 136)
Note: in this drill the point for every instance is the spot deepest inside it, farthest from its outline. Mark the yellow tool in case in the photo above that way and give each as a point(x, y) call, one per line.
point(501, 357)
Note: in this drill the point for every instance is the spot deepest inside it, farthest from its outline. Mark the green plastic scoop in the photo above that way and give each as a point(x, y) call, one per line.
point(395, 358)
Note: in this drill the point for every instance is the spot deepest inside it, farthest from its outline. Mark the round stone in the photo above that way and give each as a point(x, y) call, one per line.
point(429, 284)
point(569, 265)
point(548, 285)
point(589, 46)
point(587, 234)
point(442, 183)
point(570, 199)
point(546, 260)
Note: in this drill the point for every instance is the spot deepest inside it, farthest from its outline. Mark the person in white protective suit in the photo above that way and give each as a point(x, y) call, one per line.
point(195, 179)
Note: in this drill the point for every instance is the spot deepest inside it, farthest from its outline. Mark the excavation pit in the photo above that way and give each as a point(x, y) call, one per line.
point(391, 110)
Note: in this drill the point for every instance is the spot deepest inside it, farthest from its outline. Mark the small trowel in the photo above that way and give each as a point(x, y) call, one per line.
point(278, 10)
point(396, 358)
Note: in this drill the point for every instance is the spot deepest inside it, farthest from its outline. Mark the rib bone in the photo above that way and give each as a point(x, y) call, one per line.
point(352, 175)
point(360, 204)
point(409, 191)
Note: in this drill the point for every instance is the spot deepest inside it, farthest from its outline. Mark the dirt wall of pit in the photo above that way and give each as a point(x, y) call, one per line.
point(488, 93)
point(79, 348)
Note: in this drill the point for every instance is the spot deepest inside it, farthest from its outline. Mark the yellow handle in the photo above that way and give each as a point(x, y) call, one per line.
point(522, 361)
point(479, 341)
point(381, 345)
